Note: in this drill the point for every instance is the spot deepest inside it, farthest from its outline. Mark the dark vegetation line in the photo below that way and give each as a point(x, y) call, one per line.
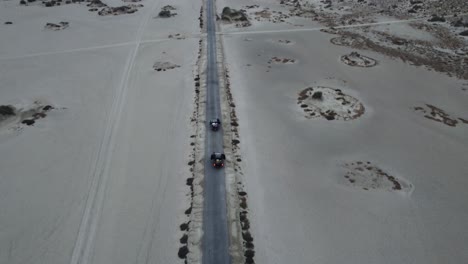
point(243, 216)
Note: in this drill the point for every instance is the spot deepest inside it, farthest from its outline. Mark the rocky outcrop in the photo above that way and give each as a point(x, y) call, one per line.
point(233, 15)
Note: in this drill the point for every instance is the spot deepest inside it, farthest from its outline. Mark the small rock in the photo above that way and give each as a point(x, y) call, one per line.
point(317, 96)
point(28, 122)
point(47, 108)
point(7, 110)
point(165, 13)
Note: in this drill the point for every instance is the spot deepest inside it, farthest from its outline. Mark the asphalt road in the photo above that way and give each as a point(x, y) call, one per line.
point(215, 241)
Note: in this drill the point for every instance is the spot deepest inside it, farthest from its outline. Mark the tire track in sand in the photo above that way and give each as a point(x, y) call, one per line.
point(82, 252)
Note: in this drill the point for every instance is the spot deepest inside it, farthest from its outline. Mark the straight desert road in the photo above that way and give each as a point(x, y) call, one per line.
point(215, 241)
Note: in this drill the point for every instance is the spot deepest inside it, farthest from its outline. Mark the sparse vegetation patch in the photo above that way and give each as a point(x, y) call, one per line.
point(93, 5)
point(166, 12)
point(436, 114)
point(367, 176)
point(60, 26)
point(329, 103)
point(277, 60)
point(358, 60)
point(12, 117)
point(164, 66)
point(120, 10)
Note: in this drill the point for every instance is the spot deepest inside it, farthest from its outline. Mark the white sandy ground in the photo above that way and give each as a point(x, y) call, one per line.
point(300, 210)
point(145, 194)
point(137, 147)
point(26, 36)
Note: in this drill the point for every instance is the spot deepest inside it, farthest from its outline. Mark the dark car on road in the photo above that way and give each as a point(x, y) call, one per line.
point(217, 159)
point(215, 124)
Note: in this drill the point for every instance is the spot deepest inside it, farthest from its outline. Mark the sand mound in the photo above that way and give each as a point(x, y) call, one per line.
point(366, 176)
point(164, 66)
point(329, 103)
point(358, 60)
